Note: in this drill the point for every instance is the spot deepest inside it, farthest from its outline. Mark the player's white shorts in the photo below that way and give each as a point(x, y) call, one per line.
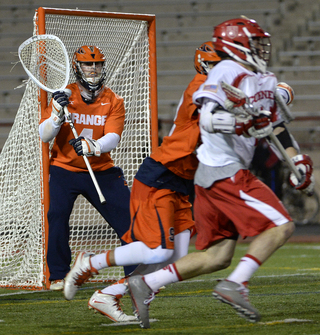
point(241, 205)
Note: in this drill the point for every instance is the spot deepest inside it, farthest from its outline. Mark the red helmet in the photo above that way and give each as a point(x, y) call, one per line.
point(245, 41)
point(204, 57)
point(89, 54)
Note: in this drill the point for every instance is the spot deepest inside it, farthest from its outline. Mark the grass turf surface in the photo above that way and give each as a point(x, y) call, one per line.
point(285, 290)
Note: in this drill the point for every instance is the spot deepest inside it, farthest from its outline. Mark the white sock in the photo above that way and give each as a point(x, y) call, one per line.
point(115, 289)
point(165, 276)
point(245, 269)
point(99, 261)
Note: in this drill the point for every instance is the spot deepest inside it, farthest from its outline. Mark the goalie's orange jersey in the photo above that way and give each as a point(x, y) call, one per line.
point(105, 115)
point(176, 150)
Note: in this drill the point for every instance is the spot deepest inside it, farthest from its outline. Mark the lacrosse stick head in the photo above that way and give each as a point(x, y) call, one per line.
point(245, 41)
point(45, 60)
point(237, 102)
point(205, 58)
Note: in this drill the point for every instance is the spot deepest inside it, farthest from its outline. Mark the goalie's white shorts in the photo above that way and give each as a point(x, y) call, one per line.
point(241, 205)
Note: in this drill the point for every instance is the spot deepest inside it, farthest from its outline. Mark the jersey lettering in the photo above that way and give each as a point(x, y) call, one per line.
point(89, 120)
point(262, 95)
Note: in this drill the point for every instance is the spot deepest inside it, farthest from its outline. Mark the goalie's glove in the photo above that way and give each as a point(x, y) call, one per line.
point(84, 146)
point(60, 100)
point(262, 125)
point(304, 165)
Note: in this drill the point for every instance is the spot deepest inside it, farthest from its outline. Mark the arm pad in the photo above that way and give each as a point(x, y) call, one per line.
point(212, 120)
point(223, 122)
point(48, 130)
point(108, 142)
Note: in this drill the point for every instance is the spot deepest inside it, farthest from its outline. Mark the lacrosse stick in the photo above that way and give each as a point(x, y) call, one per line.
point(284, 109)
point(234, 94)
point(45, 60)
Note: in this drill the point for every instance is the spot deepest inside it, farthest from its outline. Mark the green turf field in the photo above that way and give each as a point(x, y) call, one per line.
point(286, 291)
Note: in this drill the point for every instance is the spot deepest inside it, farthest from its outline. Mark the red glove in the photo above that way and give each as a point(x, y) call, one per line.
point(305, 166)
point(262, 125)
point(242, 125)
point(257, 126)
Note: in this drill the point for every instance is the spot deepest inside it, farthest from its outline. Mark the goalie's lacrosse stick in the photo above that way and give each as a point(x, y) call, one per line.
point(234, 94)
point(45, 60)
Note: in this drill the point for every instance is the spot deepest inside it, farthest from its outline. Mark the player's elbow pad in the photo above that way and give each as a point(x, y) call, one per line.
point(206, 112)
point(218, 122)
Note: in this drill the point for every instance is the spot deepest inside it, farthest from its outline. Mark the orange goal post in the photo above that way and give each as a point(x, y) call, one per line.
point(129, 44)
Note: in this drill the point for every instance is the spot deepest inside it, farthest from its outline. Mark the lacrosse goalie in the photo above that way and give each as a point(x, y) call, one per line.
point(98, 116)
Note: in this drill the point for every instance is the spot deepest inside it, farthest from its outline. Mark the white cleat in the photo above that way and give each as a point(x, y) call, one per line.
point(57, 285)
point(109, 305)
point(80, 273)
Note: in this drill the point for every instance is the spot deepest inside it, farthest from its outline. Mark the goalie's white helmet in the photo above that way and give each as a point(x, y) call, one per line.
point(245, 41)
point(88, 66)
point(205, 58)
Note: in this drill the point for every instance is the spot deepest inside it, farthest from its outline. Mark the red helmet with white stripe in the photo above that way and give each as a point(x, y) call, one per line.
point(245, 41)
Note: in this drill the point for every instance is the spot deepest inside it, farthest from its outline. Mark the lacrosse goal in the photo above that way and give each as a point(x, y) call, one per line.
point(128, 42)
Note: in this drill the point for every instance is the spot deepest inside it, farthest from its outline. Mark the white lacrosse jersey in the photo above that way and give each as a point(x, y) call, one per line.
point(218, 149)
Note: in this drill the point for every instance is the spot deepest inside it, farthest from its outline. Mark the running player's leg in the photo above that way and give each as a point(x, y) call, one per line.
point(150, 238)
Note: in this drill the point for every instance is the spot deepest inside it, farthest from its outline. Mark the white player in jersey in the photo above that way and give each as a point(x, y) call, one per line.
point(230, 201)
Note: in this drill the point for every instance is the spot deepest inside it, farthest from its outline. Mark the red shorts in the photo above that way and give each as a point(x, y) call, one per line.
point(241, 205)
point(157, 215)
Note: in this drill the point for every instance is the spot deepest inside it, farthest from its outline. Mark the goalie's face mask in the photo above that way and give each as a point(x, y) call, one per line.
point(88, 66)
point(244, 41)
point(91, 71)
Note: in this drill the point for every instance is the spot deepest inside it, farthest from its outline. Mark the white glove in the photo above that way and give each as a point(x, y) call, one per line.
point(60, 100)
point(84, 146)
point(304, 165)
point(262, 125)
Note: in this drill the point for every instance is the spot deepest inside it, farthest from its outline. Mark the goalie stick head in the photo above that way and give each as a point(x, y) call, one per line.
point(88, 66)
point(45, 60)
point(245, 41)
point(205, 58)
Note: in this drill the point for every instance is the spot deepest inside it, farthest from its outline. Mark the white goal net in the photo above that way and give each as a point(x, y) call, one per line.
point(125, 40)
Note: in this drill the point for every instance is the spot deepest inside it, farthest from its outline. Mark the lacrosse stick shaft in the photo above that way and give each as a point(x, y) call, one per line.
point(85, 158)
point(285, 156)
point(284, 109)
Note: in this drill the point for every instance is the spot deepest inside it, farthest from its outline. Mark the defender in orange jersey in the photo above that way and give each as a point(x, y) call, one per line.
point(161, 216)
point(98, 116)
